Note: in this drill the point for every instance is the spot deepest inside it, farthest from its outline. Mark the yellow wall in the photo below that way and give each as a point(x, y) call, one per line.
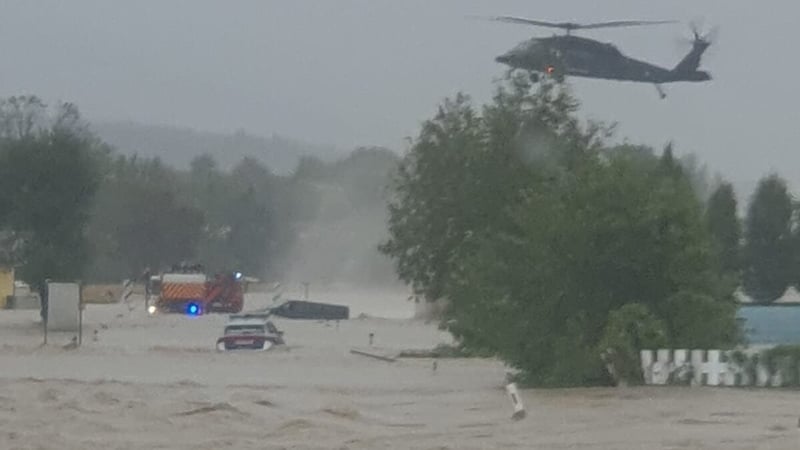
point(6, 285)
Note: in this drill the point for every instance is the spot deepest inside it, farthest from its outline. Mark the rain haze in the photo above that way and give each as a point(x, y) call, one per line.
point(235, 269)
point(351, 73)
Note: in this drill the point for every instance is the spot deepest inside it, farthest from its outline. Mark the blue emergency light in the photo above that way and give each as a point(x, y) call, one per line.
point(193, 309)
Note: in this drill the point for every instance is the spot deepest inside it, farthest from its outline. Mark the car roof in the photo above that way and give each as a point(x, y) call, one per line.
point(259, 322)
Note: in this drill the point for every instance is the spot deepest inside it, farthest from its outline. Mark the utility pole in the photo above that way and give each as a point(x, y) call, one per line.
point(44, 306)
point(80, 313)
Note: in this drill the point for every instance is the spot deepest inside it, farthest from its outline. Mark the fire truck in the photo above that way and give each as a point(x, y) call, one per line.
point(193, 293)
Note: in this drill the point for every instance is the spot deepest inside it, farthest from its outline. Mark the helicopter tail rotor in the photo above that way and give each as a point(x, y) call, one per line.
point(687, 68)
point(698, 37)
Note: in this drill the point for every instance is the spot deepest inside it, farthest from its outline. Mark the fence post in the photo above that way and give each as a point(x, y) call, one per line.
point(680, 365)
point(80, 312)
point(646, 357)
point(698, 366)
point(44, 305)
point(714, 367)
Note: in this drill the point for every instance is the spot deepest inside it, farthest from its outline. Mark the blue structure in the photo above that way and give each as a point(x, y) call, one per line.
point(771, 325)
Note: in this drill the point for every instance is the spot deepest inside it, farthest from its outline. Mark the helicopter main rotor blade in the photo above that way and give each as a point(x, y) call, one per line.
point(578, 26)
point(524, 21)
point(624, 23)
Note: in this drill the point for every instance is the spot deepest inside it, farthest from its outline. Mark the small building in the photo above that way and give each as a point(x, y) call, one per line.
point(767, 325)
point(776, 323)
point(6, 286)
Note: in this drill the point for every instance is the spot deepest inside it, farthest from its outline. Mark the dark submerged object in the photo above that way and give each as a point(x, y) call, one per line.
point(302, 309)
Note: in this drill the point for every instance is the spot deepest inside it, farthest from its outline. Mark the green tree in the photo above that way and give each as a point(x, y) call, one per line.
point(618, 234)
point(139, 219)
point(534, 233)
point(768, 269)
point(239, 209)
point(446, 191)
point(157, 229)
point(630, 329)
point(151, 215)
point(427, 219)
point(723, 223)
point(701, 321)
point(48, 177)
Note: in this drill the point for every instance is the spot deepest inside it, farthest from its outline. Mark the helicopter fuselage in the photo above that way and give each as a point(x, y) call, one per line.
point(576, 56)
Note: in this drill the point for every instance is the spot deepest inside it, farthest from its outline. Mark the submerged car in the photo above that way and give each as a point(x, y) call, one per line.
point(250, 332)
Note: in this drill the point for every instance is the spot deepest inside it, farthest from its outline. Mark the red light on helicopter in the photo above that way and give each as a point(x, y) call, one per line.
point(550, 70)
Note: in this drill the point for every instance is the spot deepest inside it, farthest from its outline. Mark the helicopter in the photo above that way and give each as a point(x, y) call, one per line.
point(564, 55)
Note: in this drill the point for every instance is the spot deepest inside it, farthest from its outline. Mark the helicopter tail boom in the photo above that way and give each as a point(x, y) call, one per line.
point(687, 68)
point(691, 61)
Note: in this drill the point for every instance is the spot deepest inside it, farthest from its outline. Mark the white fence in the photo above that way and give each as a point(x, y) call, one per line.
point(707, 368)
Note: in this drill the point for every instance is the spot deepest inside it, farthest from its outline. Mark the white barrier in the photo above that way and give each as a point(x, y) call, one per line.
point(516, 402)
point(703, 367)
point(63, 306)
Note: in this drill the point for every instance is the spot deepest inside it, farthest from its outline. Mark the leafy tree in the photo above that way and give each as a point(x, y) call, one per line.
point(534, 233)
point(725, 227)
point(426, 218)
point(48, 178)
point(629, 329)
point(239, 230)
point(226, 220)
point(701, 321)
point(617, 234)
point(698, 175)
point(363, 176)
point(158, 230)
point(768, 269)
point(139, 221)
point(445, 192)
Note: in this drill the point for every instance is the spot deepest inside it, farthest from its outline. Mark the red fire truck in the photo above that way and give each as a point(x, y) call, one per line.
point(194, 293)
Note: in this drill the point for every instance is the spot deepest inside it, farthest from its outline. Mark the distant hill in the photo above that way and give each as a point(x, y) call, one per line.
point(177, 146)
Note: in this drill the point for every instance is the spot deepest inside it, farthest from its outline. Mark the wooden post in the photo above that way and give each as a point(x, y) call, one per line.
point(80, 313)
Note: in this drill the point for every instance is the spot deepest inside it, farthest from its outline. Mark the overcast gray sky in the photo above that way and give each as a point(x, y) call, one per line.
point(362, 72)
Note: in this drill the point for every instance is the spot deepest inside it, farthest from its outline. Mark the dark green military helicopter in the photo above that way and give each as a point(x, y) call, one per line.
point(564, 55)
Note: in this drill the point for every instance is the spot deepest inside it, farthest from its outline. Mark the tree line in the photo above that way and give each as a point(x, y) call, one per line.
point(761, 250)
point(72, 207)
point(565, 255)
